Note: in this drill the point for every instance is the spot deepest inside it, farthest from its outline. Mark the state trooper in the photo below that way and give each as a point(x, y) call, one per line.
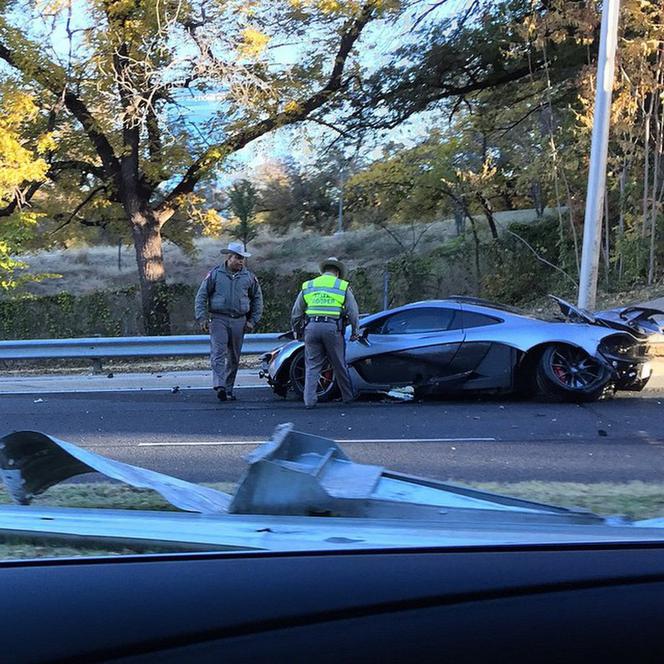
point(229, 302)
point(322, 307)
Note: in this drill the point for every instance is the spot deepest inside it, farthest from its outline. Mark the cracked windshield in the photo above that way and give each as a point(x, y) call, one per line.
point(321, 275)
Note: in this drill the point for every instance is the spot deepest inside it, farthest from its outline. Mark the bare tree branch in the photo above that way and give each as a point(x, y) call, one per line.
point(350, 34)
point(78, 208)
point(541, 258)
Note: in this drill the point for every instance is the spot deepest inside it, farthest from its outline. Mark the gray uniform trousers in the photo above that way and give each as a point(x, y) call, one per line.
point(323, 341)
point(226, 335)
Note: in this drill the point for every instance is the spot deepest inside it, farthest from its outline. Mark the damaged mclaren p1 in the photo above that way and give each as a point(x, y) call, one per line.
point(468, 345)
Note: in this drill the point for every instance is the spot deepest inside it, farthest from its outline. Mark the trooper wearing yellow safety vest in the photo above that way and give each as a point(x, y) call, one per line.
point(323, 307)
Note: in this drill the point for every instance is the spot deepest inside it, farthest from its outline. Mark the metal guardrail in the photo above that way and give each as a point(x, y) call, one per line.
point(98, 348)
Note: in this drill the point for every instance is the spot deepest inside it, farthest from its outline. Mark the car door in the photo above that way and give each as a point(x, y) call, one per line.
point(484, 361)
point(409, 347)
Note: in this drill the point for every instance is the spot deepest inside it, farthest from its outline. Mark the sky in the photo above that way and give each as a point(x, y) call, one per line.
point(301, 143)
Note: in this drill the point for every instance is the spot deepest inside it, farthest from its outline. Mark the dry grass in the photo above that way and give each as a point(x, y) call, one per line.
point(634, 500)
point(88, 269)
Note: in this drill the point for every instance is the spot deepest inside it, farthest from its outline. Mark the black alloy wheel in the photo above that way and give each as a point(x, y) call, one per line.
point(327, 387)
point(569, 373)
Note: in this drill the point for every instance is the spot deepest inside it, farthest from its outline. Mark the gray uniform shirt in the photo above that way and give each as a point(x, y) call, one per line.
point(351, 311)
point(235, 294)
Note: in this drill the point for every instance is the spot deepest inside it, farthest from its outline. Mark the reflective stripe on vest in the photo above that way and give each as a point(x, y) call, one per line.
point(324, 296)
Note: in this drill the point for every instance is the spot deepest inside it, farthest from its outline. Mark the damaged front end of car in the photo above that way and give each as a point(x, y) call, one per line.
point(636, 346)
point(275, 366)
point(629, 359)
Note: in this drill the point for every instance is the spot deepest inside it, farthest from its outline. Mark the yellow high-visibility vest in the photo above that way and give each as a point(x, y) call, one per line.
point(325, 296)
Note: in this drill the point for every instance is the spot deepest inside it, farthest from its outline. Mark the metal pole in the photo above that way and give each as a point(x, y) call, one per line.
point(119, 254)
point(592, 224)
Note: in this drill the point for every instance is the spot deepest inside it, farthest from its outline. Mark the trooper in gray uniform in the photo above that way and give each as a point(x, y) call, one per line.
point(229, 302)
point(323, 306)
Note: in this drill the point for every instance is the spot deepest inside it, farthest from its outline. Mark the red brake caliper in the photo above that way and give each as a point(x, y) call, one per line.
point(326, 376)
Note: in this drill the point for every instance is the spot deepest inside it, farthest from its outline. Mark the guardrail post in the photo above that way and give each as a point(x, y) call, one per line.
point(97, 367)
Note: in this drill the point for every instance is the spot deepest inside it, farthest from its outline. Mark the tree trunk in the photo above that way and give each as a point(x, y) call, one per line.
point(537, 198)
point(621, 220)
point(459, 219)
point(488, 213)
point(476, 241)
point(655, 206)
point(606, 240)
point(152, 276)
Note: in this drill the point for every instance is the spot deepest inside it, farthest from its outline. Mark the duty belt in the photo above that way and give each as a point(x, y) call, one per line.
point(322, 319)
point(223, 313)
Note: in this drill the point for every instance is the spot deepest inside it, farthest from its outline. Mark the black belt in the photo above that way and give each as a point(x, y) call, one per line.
point(223, 313)
point(323, 319)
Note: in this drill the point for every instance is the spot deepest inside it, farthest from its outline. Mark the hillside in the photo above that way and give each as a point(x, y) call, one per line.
point(88, 269)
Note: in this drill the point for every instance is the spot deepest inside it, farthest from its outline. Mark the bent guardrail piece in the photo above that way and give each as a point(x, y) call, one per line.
point(31, 462)
point(302, 474)
point(293, 473)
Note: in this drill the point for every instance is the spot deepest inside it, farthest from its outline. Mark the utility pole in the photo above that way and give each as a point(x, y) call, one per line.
point(592, 224)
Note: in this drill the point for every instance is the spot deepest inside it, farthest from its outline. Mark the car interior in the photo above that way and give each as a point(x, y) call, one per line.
point(495, 604)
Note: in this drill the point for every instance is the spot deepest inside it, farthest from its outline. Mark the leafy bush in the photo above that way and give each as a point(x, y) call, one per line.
point(515, 274)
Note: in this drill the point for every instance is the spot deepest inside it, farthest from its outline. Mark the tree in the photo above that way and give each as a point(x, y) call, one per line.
point(449, 60)
point(20, 162)
point(297, 197)
point(243, 199)
point(125, 150)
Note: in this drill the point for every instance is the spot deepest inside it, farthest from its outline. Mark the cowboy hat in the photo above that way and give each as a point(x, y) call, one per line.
point(334, 262)
point(236, 248)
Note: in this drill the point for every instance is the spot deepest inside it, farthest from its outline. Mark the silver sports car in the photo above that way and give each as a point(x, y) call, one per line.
point(465, 344)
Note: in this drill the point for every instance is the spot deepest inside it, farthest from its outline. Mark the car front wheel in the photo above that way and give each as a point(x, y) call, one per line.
point(327, 387)
point(568, 373)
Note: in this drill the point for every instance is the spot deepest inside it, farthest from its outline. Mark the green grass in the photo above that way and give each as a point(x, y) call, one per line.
point(635, 500)
point(105, 495)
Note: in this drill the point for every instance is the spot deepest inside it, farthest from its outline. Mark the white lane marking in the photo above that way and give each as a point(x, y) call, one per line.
point(194, 443)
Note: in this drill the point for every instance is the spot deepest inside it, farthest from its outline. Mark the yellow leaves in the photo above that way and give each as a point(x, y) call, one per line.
point(478, 179)
point(212, 223)
point(292, 107)
point(53, 6)
point(559, 36)
point(17, 109)
point(530, 25)
point(346, 7)
point(46, 142)
point(16, 229)
point(208, 220)
point(330, 6)
point(253, 43)
point(18, 162)
point(120, 8)
point(326, 6)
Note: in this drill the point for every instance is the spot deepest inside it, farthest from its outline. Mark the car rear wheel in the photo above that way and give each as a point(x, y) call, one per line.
point(327, 387)
point(568, 373)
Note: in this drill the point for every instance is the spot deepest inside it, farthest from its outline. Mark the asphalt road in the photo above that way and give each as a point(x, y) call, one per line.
point(190, 435)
